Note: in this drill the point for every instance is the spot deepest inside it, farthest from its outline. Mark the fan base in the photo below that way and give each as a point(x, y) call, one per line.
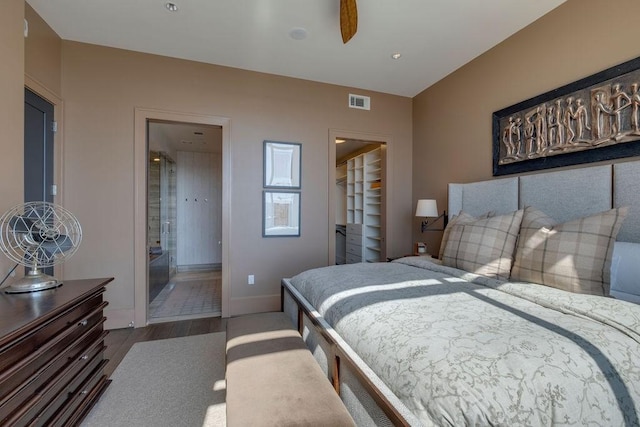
point(32, 283)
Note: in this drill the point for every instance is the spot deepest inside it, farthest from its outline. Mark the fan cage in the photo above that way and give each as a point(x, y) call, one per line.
point(39, 234)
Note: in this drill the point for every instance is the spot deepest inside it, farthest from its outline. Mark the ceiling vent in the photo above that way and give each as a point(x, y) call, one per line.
point(360, 102)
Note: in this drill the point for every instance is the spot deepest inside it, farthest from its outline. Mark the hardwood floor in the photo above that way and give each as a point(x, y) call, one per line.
point(119, 341)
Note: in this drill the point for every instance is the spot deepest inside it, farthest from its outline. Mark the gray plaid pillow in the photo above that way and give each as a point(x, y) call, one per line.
point(461, 218)
point(574, 256)
point(484, 246)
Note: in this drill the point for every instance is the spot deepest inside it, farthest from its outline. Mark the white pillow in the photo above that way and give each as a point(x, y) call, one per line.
point(625, 271)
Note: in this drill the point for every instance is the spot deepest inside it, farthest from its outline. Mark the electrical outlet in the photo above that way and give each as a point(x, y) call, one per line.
point(251, 280)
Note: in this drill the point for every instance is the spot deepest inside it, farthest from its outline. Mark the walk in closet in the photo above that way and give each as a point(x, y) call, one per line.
point(365, 207)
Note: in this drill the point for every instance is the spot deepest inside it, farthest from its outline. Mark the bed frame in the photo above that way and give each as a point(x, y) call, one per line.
point(367, 398)
point(563, 195)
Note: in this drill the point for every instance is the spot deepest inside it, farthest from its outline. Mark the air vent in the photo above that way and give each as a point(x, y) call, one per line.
point(359, 101)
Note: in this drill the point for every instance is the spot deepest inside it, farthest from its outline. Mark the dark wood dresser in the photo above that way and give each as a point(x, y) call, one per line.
point(52, 354)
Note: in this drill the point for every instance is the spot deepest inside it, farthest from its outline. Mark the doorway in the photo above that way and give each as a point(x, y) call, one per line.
point(184, 220)
point(38, 152)
point(357, 197)
point(38, 148)
point(143, 117)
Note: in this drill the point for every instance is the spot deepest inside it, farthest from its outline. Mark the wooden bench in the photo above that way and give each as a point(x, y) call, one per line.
point(273, 379)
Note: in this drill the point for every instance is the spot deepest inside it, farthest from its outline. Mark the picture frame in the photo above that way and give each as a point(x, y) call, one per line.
point(280, 213)
point(282, 165)
point(593, 119)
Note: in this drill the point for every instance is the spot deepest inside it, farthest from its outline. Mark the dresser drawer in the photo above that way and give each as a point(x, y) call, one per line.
point(52, 354)
point(82, 399)
point(32, 345)
point(354, 238)
point(35, 362)
point(17, 389)
point(354, 249)
point(353, 259)
point(53, 396)
point(65, 403)
point(354, 228)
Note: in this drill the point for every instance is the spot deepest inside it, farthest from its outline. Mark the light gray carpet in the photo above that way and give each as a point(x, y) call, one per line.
point(172, 382)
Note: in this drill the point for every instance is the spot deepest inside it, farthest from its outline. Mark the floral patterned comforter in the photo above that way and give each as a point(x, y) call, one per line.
point(460, 349)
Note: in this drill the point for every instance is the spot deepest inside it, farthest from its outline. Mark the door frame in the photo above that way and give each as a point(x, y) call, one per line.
point(387, 174)
point(141, 258)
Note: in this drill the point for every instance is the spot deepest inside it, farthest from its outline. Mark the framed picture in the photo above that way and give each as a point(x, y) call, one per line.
point(282, 165)
point(280, 213)
point(593, 119)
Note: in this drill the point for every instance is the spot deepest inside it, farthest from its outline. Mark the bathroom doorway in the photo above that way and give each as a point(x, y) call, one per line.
point(184, 220)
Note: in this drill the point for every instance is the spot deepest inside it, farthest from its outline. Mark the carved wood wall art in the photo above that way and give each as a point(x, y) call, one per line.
point(593, 119)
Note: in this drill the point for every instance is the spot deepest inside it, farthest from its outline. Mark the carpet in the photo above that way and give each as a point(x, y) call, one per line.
point(172, 382)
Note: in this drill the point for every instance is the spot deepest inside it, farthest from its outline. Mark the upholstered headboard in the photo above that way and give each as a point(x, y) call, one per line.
point(566, 195)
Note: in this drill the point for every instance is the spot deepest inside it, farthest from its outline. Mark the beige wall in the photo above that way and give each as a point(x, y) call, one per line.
point(452, 119)
point(101, 88)
point(42, 52)
point(11, 109)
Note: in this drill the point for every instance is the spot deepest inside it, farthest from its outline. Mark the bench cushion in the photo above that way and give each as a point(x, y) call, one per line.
point(272, 378)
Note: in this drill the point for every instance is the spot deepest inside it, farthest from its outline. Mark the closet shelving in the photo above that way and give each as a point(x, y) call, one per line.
point(364, 207)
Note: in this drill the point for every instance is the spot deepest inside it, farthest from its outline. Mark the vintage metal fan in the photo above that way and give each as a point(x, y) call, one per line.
point(348, 19)
point(38, 235)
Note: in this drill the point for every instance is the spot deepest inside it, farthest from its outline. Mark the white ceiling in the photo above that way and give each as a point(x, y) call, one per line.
point(435, 37)
point(171, 137)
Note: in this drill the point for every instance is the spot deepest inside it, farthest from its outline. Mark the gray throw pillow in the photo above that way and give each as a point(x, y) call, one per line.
point(484, 246)
point(574, 256)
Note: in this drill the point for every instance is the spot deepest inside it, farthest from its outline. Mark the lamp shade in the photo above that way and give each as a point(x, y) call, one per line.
point(427, 208)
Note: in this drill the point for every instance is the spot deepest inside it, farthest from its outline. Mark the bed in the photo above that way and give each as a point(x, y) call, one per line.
point(460, 342)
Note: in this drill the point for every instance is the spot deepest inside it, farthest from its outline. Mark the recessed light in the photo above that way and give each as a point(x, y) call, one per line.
point(340, 140)
point(396, 55)
point(298, 33)
point(171, 7)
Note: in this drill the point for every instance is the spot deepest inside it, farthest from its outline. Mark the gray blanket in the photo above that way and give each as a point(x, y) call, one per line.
point(459, 349)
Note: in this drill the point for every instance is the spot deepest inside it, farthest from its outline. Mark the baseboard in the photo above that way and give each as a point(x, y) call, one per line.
point(250, 305)
point(118, 319)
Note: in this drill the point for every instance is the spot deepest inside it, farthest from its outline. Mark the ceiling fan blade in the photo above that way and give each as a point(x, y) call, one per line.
point(348, 19)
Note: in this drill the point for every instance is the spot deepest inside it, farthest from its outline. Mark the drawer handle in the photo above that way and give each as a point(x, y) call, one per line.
point(83, 322)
